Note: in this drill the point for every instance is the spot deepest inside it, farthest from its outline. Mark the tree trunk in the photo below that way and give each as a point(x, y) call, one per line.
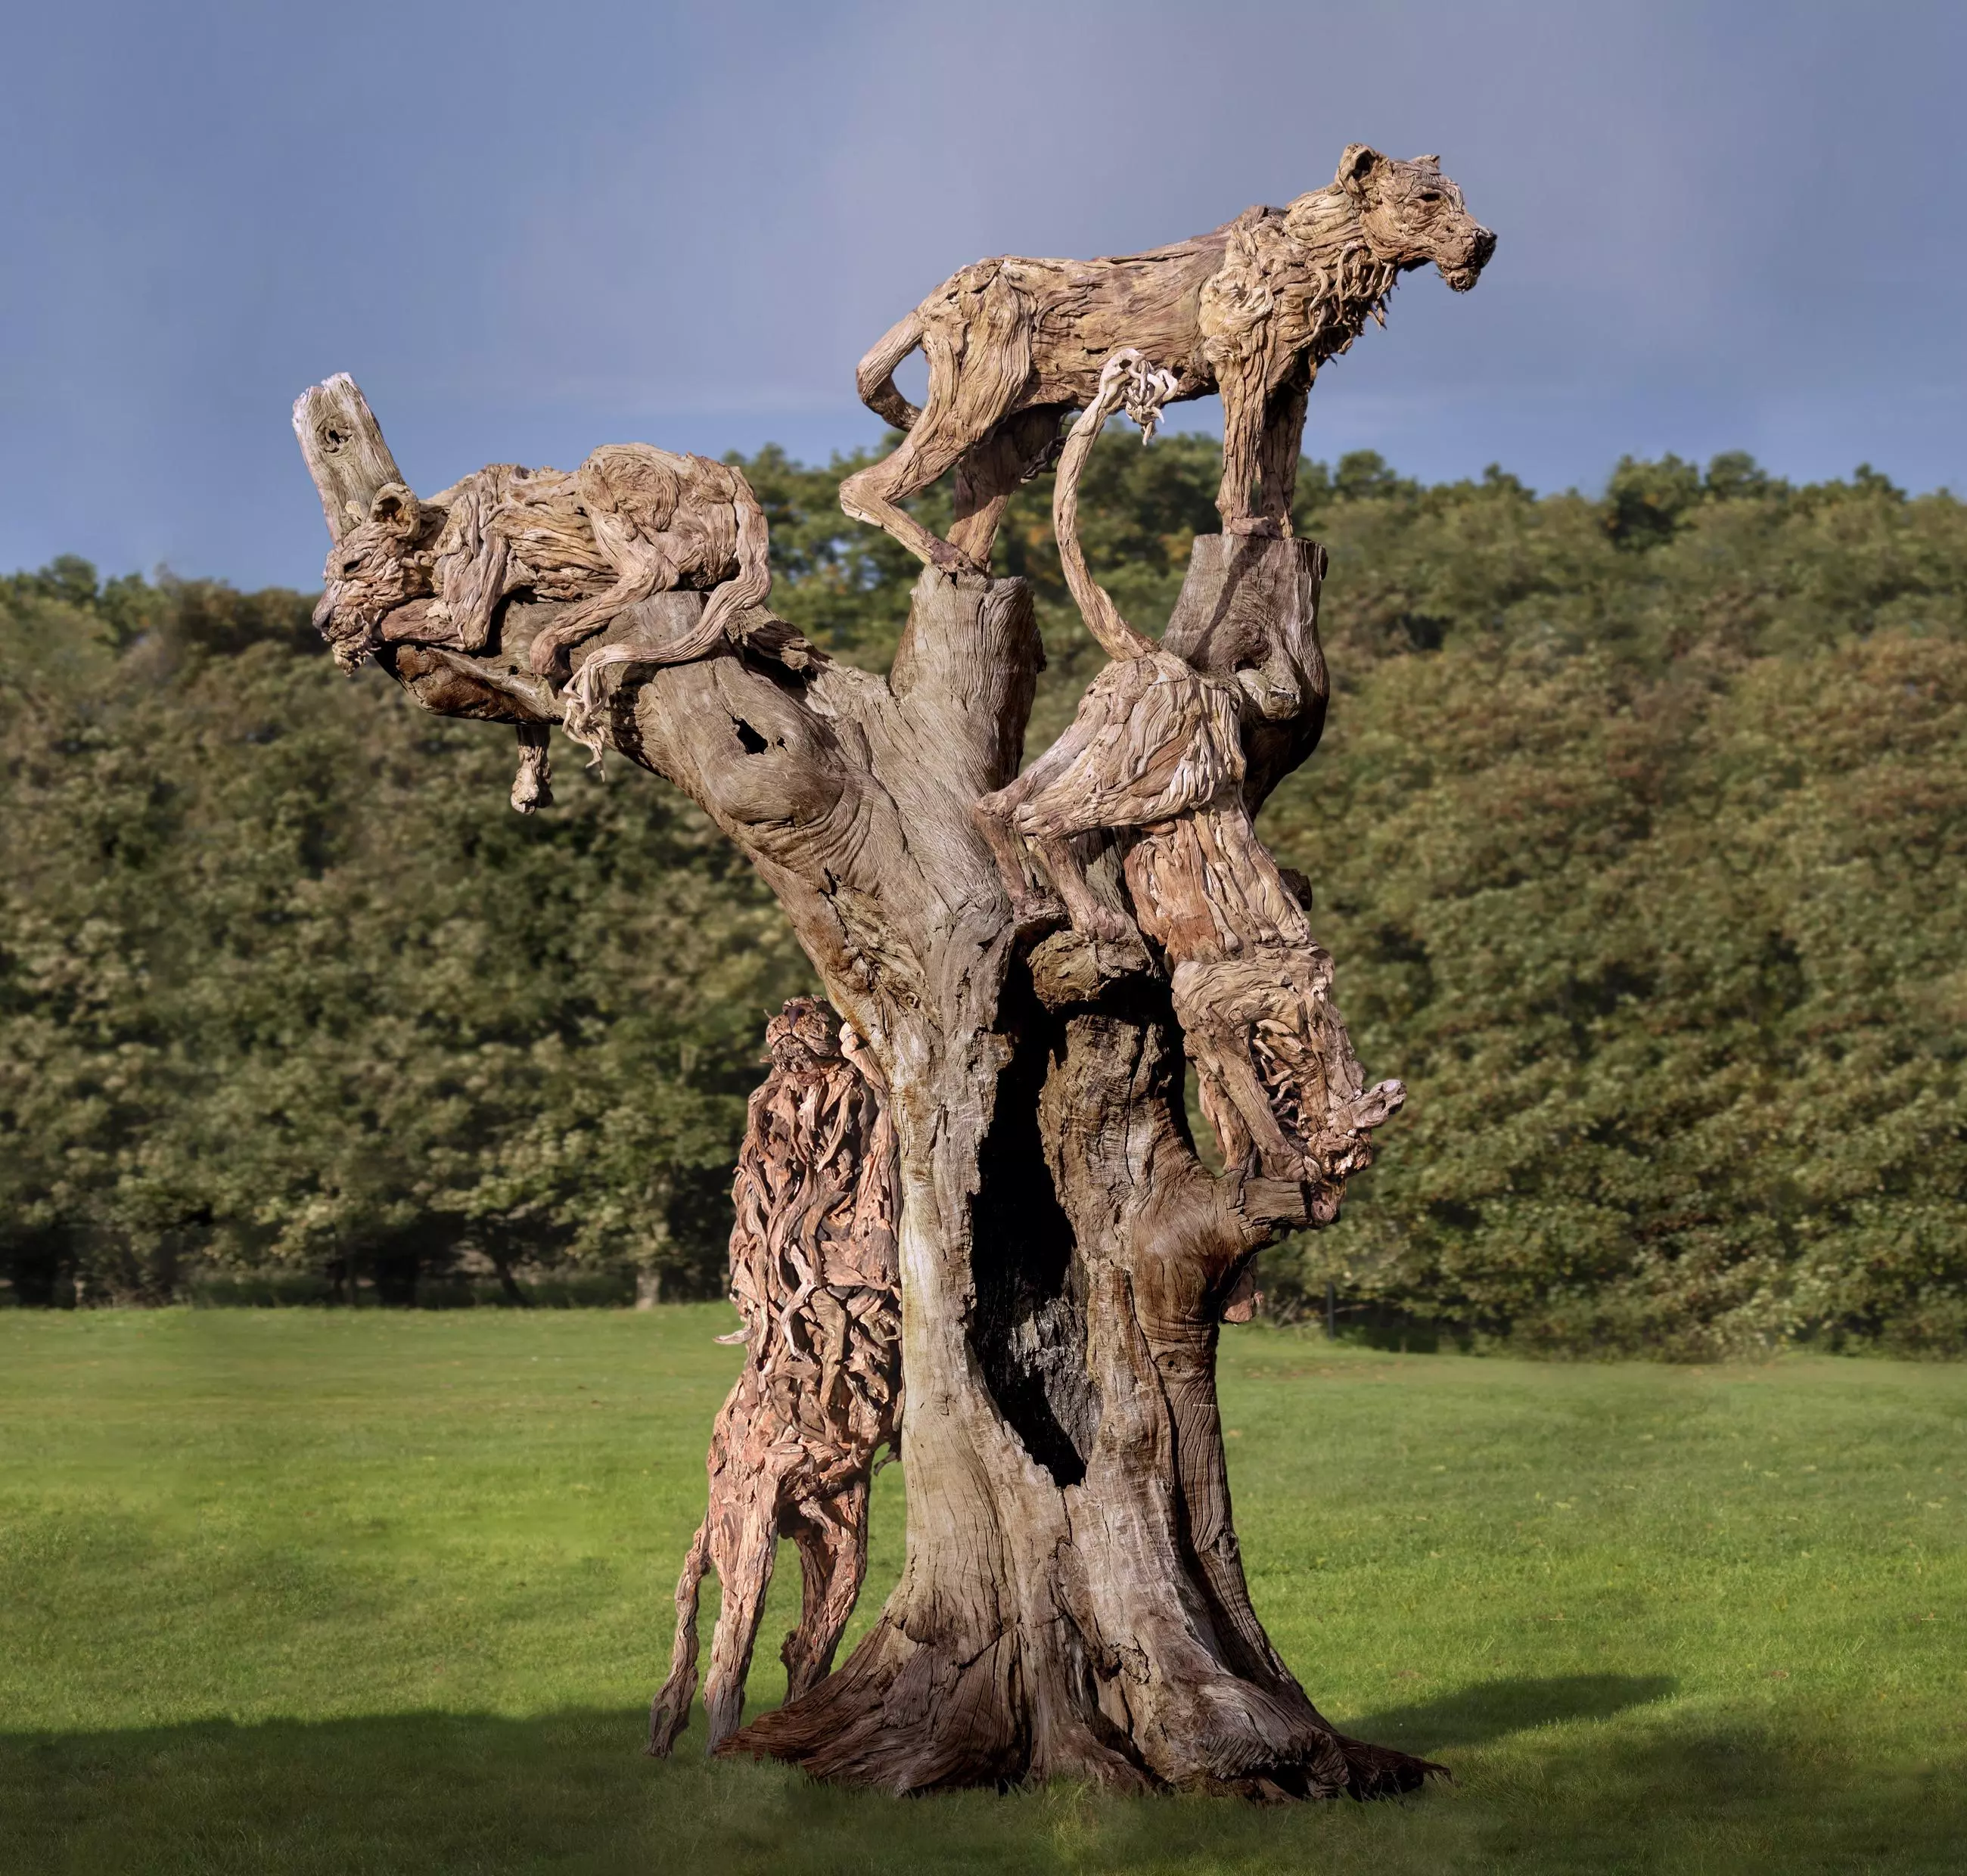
point(1073, 1603)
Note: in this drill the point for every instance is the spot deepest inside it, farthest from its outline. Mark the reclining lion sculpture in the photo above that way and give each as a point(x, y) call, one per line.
point(421, 584)
point(631, 521)
point(1252, 309)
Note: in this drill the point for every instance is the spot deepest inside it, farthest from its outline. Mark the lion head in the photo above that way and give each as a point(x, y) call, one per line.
point(803, 1036)
point(1414, 216)
point(381, 564)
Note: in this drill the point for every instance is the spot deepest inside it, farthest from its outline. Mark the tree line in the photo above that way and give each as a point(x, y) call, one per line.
point(1637, 833)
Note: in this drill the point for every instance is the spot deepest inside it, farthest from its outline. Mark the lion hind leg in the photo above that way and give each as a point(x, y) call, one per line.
point(831, 1535)
point(873, 495)
point(972, 387)
point(669, 1713)
point(990, 473)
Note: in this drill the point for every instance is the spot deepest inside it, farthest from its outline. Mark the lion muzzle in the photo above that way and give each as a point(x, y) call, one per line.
point(1463, 275)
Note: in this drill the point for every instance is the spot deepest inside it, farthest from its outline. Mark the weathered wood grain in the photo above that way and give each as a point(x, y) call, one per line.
point(342, 445)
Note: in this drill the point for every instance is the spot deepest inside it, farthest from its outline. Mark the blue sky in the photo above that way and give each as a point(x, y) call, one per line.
point(530, 229)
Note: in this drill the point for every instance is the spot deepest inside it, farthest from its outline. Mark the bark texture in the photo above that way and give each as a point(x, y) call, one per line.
point(1073, 1602)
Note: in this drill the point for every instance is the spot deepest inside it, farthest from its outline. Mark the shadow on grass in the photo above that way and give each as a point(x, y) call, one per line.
point(1614, 1785)
point(1476, 1715)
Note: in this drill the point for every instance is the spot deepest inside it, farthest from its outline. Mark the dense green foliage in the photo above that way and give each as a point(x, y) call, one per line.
point(285, 986)
point(1637, 833)
point(306, 1592)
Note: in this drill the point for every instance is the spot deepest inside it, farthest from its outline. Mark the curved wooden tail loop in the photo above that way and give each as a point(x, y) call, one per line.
point(1128, 382)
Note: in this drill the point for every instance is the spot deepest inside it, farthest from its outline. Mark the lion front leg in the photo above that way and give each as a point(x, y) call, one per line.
point(1277, 458)
point(1090, 917)
point(1022, 822)
point(646, 573)
point(1243, 410)
point(1033, 909)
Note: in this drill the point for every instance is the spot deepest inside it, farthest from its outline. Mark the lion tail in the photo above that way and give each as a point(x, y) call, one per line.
point(874, 377)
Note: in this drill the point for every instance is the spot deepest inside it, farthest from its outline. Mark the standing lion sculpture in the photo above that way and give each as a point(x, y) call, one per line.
point(1252, 310)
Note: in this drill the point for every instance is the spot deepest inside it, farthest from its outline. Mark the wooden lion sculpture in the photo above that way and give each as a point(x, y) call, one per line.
point(1252, 309)
point(631, 522)
point(813, 1272)
point(1156, 753)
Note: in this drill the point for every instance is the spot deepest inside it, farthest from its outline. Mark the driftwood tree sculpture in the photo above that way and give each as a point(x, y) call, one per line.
point(813, 1274)
point(1073, 1603)
point(1252, 310)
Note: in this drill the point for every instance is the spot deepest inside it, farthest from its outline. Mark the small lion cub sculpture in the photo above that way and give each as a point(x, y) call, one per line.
point(1155, 755)
point(814, 1274)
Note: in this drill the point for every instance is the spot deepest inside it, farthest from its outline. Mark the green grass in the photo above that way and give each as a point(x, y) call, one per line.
point(299, 1591)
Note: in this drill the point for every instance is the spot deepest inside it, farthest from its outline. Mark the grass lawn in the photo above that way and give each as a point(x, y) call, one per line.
point(292, 1590)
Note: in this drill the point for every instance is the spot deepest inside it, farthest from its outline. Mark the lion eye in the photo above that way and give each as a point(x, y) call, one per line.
point(1430, 194)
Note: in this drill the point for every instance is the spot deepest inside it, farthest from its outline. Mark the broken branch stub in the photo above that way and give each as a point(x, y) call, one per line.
point(342, 445)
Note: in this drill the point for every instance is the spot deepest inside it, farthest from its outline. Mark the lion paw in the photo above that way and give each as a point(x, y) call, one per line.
point(1104, 925)
point(947, 558)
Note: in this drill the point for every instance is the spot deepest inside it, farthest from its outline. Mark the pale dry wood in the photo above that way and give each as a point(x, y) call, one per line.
point(342, 445)
point(1072, 1604)
point(631, 522)
point(813, 1273)
point(1252, 310)
point(423, 585)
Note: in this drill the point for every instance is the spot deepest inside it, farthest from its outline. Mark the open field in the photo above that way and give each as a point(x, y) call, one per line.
point(301, 1591)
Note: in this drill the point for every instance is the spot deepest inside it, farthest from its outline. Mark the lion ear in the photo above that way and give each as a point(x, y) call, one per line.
point(1428, 163)
point(394, 506)
point(1358, 164)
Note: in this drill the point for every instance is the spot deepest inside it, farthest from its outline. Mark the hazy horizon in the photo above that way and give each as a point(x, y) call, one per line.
point(685, 224)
